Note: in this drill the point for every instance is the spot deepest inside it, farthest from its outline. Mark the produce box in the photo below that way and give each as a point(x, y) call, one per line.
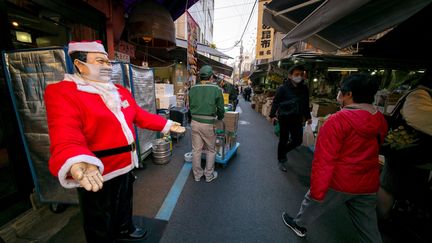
point(391, 101)
point(165, 102)
point(323, 109)
point(231, 120)
point(164, 89)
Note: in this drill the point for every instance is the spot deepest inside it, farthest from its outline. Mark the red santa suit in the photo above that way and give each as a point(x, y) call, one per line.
point(90, 116)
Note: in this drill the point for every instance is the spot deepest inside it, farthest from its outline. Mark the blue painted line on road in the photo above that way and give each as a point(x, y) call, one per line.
point(173, 195)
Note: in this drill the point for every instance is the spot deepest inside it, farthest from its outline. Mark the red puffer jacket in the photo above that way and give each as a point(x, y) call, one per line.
point(346, 154)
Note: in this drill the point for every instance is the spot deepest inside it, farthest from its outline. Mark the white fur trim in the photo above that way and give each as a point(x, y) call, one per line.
point(167, 126)
point(119, 172)
point(64, 170)
point(86, 47)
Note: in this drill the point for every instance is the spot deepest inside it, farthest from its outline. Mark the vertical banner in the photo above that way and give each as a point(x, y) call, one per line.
point(192, 62)
point(264, 43)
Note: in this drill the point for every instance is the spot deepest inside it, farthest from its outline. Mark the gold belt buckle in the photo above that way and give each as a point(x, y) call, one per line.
point(133, 146)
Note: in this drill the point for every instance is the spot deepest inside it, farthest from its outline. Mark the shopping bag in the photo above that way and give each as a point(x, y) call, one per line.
point(276, 128)
point(308, 136)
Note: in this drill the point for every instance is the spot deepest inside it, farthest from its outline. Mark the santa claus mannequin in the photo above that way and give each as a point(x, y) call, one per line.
point(90, 123)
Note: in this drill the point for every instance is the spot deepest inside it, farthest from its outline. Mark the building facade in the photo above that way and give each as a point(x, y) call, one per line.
point(203, 14)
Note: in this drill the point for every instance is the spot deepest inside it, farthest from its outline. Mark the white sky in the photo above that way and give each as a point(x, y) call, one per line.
point(230, 18)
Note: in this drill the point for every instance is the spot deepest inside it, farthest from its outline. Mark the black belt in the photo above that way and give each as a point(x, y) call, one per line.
point(114, 151)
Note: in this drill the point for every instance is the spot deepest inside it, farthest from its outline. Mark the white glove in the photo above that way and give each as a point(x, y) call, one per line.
point(177, 128)
point(87, 175)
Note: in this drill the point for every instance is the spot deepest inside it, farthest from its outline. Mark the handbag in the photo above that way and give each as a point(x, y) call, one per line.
point(276, 128)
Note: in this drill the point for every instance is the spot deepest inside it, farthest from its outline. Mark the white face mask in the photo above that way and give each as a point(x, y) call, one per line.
point(98, 72)
point(297, 79)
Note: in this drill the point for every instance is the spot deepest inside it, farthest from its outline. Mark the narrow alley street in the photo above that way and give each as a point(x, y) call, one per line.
point(244, 204)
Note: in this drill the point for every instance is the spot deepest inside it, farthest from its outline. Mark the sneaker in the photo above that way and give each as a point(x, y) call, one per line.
point(197, 179)
point(288, 221)
point(282, 167)
point(137, 235)
point(212, 177)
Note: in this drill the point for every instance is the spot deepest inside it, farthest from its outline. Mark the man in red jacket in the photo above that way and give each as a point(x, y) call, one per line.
point(345, 169)
point(92, 138)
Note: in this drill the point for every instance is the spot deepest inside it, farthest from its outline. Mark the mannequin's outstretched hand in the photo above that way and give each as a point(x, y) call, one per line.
point(177, 128)
point(87, 175)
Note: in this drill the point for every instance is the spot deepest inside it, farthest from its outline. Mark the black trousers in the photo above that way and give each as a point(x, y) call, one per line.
point(108, 212)
point(291, 135)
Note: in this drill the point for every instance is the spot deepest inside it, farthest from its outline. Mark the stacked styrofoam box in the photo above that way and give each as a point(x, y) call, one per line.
point(165, 96)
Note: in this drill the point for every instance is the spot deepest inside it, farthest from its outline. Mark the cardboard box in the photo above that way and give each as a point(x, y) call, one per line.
point(323, 109)
point(164, 89)
point(231, 120)
point(165, 102)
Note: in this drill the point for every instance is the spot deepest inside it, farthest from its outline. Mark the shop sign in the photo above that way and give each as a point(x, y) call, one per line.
point(265, 34)
point(122, 57)
point(126, 48)
point(192, 61)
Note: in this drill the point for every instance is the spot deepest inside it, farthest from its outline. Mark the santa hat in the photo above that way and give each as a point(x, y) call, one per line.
point(86, 46)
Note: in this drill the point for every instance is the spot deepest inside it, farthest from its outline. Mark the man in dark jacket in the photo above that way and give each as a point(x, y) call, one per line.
point(231, 90)
point(290, 108)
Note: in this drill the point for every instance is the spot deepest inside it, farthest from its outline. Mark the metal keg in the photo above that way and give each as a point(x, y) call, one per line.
point(161, 151)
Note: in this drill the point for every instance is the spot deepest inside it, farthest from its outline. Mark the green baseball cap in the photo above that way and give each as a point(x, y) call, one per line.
point(205, 72)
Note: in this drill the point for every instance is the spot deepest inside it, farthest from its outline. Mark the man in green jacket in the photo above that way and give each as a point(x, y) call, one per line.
point(206, 105)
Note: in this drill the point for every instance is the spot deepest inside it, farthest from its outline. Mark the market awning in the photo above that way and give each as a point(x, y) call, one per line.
point(335, 24)
point(404, 35)
point(347, 61)
point(175, 7)
point(203, 49)
point(217, 66)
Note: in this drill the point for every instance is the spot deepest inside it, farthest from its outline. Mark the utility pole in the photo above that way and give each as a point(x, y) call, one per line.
point(241, 60)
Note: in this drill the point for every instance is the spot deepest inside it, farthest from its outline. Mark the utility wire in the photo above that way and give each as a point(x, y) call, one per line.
point(243, 4)
point(247, 23)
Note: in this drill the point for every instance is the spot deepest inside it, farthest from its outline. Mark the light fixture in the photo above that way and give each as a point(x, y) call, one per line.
point(315, 80)
point(23, 37)
point(14, 23)
point(373, 73)
point(341, 69)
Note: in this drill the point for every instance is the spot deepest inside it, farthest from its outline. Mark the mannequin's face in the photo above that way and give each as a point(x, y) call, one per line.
point(93, 58)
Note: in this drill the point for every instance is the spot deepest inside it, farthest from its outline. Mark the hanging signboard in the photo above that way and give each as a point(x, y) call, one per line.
point(192, 61)
point(264, 43)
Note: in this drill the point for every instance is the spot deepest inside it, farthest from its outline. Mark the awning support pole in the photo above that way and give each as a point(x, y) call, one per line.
point(297, 7)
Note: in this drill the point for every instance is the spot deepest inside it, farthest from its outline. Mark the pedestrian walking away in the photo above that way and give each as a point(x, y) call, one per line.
point(345, 168)
point(92, 139)
point(291, 108)
point(206, 105)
